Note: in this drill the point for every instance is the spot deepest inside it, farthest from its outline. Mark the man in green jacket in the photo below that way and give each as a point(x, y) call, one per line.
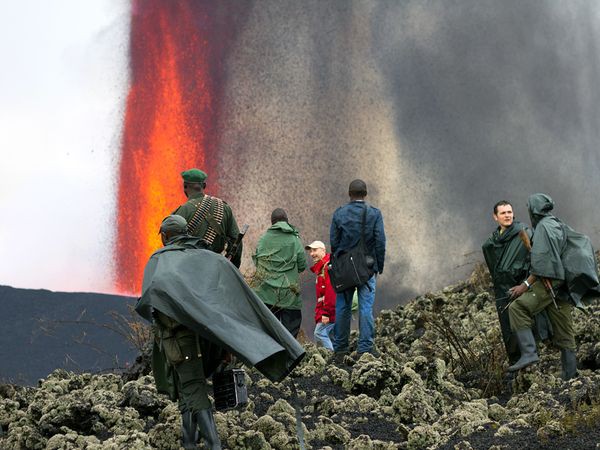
point(209, 218)
point(507, 259)
point(563, 272)
point(279, 258)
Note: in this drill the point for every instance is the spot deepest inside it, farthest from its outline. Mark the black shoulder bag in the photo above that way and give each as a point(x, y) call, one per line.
point(354, 267)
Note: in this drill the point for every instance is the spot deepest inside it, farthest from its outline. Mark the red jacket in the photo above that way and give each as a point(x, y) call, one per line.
point(325, 293)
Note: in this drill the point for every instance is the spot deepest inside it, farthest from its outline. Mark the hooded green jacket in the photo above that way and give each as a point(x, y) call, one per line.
point(204, 292)
point(279, 258)
point(561, 253)
point(507, 258)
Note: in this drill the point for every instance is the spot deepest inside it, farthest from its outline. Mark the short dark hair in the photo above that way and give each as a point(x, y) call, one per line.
point(278, 215)
point(357, 188)
point(501, 203)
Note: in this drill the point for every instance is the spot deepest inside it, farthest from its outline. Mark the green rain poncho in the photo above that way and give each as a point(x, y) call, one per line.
point(203, 291)
point(560, 253)
point(507, 258)
point(279, 259)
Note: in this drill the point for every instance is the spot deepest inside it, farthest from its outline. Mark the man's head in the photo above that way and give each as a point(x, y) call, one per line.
point(357, 189)
point(316, 250)
point(539, 205)
point(278, 215)
point(171, 227)
point(194, 181)
point(503, 214)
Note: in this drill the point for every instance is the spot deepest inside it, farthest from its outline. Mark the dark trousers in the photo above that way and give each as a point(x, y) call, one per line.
point(291, 319)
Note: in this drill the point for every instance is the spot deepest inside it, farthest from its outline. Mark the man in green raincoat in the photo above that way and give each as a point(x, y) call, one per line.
point(279, 258)
point(507, 259)
point(200, 305)
point(208, 218)
point(563, 273)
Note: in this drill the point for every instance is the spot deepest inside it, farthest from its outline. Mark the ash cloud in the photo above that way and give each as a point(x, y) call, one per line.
point(442, 107)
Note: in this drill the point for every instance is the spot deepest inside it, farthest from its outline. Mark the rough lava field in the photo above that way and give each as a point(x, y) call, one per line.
point(439, 382)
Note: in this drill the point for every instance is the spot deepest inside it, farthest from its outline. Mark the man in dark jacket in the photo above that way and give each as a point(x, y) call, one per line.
point(200, 304)
point(279, 259)
point(563, 272)
point(507, 258)
point(345, 233)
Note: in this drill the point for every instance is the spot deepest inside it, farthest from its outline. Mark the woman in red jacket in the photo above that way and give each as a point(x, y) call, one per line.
point(325, 307)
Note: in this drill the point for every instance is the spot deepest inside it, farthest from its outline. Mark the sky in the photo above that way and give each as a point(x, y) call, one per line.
point(62, 92)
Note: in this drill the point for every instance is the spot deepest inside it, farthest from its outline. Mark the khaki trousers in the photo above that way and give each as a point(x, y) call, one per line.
point(534, 301)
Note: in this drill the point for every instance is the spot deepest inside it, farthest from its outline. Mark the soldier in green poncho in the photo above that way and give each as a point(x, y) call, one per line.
point(199, 305)
point(563, 273)
point(279, 258)
point(507, 259)
point(208, 217)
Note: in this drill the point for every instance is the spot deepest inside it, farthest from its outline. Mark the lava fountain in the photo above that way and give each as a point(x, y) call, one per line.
point(170, 120)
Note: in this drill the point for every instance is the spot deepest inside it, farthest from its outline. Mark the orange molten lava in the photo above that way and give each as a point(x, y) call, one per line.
point(167, 129)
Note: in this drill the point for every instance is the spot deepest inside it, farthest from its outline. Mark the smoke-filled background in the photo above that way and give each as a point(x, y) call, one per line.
point(443, 108)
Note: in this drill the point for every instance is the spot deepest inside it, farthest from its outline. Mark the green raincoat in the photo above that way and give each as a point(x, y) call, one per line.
point(279, 258)
point(561, 253)
point(507, 259)
point(203, 291)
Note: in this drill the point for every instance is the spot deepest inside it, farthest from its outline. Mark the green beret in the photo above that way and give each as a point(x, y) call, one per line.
point(194, 176)
point(173, 224)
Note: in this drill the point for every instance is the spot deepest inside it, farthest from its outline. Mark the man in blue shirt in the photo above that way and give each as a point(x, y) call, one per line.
point(345, 233)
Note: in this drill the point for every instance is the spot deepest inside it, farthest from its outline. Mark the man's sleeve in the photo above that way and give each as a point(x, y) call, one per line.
point(334, 235)
point(300, 257)
point(379, 241)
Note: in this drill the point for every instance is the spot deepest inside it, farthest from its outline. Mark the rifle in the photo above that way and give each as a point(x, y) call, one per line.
point(235, 245)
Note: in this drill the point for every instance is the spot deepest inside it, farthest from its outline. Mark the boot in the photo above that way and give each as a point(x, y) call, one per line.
point(189, 430)
point(569, 363)
point(528, 351)
point(208, 430)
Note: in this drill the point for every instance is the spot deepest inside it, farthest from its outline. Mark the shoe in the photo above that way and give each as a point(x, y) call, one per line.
point(207, 429)
point(529, 354)
point(569, 363)
point(338, 357)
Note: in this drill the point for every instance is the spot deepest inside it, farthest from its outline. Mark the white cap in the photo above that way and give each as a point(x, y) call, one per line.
point(315, 244)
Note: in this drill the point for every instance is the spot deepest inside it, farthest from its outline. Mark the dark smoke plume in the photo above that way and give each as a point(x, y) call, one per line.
point(443, 107)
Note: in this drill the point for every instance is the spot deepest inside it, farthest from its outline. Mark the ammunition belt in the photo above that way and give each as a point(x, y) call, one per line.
point(211, 233)
point(202, 211)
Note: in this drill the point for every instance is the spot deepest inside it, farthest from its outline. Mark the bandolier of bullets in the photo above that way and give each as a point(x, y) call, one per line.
point(201, 213)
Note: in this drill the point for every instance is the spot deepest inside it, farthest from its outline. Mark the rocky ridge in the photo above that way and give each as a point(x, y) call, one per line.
point(439, 382)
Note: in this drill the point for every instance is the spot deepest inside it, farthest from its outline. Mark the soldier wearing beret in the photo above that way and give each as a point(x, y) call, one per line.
point(208, 217)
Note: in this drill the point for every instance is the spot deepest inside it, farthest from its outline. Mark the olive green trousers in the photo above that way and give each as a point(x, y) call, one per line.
point(536, 300)
point(191, 383)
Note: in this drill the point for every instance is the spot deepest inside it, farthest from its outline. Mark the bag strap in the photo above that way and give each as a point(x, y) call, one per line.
point(364, 220)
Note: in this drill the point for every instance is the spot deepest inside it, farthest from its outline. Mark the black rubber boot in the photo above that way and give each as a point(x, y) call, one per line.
point(529, 354)
point(208, 429)
point(189, 430)
point(569, 363)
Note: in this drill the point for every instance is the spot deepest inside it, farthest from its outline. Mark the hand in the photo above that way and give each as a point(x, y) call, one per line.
point(320, 299)
point(517, 291)
point(324, 320)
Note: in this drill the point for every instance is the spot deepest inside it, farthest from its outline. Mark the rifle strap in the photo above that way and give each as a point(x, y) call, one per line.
point(202, 213)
